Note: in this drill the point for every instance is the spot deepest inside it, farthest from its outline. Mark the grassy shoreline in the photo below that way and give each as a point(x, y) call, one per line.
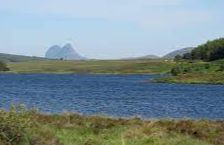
point(195, 78)
point(197, 72)
point(21, 127)
point(95, 67)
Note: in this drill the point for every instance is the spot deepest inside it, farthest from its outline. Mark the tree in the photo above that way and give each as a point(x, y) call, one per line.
point(177, 58)
point(210, 51)
point(187, 56)
point(176, 71)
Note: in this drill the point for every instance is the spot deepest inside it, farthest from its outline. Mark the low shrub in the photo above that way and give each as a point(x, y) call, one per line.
point(13, 124)
point(20, 127)
point(3, 66)
point(176, 71)
point(221, 67)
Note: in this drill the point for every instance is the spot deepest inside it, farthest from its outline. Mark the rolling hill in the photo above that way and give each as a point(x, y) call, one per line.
point(18, 58)
point(181, 52)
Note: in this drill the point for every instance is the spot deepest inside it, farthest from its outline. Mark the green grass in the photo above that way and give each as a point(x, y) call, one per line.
point(103, 66)
point(197, 73)
point(31, 128)
point(195, 78)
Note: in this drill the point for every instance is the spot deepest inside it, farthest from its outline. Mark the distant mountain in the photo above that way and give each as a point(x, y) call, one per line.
point(53, 52)
point(143, 57)
point(149, 57)
point(18, 58)
point(178, 52)
point(66, 52)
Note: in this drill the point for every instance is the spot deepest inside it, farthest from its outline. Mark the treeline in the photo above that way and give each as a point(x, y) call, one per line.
point(3, 66)
point(212, 50)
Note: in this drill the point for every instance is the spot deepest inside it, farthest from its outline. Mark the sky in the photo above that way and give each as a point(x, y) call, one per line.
point(108, 29)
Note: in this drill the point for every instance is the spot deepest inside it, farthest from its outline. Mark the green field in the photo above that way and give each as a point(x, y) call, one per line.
point(197, 72)
point(20, 127)
point(92, 66)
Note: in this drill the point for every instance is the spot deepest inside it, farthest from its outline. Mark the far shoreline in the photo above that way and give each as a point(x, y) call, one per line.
point(160, 79)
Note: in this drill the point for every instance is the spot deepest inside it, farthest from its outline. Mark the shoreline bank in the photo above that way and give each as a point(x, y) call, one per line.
point(27, 127)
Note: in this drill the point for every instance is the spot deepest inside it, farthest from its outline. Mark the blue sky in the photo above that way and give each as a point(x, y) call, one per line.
point(108, 29)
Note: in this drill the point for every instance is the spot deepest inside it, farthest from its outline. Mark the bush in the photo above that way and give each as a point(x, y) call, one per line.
point(18, 126)
point(12, 125)
point(3, 66)
point(176, 70)
point(177, 58)
point(221, 67)
point(207, 66)
point(187, 70)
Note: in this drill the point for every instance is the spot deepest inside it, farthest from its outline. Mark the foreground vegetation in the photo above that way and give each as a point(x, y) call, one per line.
point(21, 127)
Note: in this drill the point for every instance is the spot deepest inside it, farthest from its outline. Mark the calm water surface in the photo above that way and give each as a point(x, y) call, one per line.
point(113, 95)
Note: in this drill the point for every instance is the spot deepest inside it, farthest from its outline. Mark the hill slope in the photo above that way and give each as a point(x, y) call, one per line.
point(149, 57)
point(178, 52)
point(18, 58)
point(142, 57)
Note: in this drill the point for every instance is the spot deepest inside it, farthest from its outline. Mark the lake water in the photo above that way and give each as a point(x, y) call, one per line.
point(112, 95)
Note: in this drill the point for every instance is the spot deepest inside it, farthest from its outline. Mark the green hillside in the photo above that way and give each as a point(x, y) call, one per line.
point(204, 64)
point(18, 58)
point(180, 52)
point(210, 51)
